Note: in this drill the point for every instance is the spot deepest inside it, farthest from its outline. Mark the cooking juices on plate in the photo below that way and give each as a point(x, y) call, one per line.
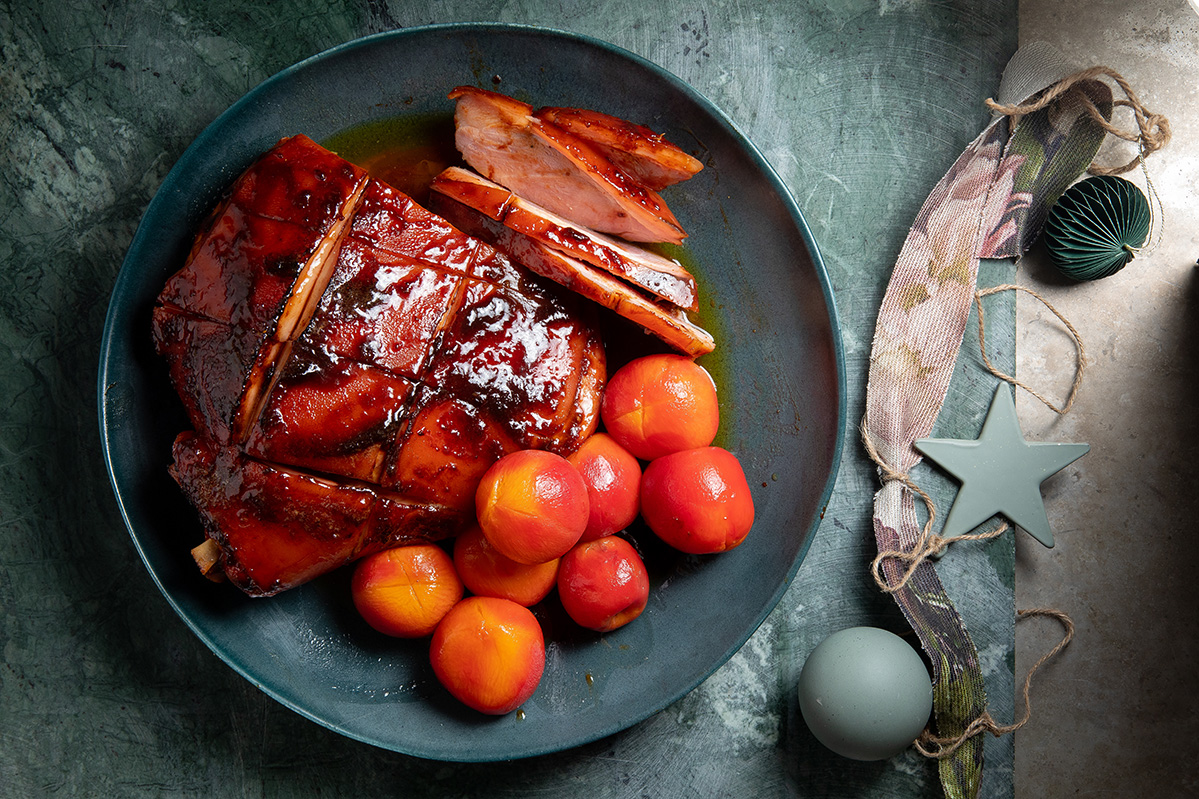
point(362, 373)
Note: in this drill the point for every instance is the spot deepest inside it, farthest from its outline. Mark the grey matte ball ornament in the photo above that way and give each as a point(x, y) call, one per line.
point(865, 693)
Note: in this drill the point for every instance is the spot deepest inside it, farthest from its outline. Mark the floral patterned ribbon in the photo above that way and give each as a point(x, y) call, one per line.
point(991, 204)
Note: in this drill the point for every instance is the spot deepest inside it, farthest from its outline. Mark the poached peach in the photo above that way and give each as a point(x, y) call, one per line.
point(406, 591)
point(489, 653)
point(603, 584)
point(613, 478)
point(659, 404)
point(488, 572)
point(698, 500)
point(532, 505)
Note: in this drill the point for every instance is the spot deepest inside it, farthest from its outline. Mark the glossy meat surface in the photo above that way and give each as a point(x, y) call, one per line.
point(255, 271)
point(351, 364)
point(636, 150)
point(331, 415)
point(501, 139)
point(668, 322)
point(660, 276)
point(279, 527)
point(209, 365)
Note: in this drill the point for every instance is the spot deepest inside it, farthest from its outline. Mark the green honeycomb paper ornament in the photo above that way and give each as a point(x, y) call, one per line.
point(1096, 227)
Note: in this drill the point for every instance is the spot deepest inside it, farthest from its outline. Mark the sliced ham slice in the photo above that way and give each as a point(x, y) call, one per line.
point(500, 138)
point(660, 276)
point(637, 151)
point(667, 322)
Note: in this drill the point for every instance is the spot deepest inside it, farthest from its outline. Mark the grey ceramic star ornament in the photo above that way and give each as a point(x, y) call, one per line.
point(1001, 473)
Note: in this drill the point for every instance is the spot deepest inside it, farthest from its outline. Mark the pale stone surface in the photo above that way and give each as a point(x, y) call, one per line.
point(1118, 713)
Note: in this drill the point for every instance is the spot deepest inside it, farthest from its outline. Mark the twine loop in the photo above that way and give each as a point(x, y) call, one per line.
point(1152, 133)
point(939, 748)
point(1080, 366)
point(930, 543)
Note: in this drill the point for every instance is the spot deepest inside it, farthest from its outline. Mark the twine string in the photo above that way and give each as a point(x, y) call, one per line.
point(928, 543)
point(939, 748)
point(1079, 369)
point(1152, 133)
point(1155, 227)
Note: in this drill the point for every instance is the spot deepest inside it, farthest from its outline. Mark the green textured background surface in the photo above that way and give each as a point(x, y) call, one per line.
point(860, 106)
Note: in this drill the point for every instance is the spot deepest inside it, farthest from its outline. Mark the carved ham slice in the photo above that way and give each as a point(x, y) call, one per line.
point(637, 151)
point(501, 139)
point(666, 321)
point(658, 275)
point(351, 364)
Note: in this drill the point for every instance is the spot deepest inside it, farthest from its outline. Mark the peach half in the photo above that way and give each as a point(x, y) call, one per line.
point(489, 653)
point(532, 505)
point(405, 591)
point(603, 584)
point(659, 404)
point(613, 478)
point(487, 572)
point(698, 500)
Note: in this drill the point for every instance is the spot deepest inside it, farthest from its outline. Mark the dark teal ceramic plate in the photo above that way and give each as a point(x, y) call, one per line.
point(780, 372)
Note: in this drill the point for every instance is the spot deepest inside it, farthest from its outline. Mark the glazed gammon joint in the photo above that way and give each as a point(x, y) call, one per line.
point(351, 364)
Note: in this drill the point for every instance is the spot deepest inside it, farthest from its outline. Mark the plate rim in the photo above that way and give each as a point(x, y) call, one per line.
point(184, 163)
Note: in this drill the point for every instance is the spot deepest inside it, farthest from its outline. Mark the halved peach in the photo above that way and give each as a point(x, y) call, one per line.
point(406, 591)
point(488, 572)
point(532, 506)
point(698, 500)
point(603, 584)
point(613, 478)
point(489, 653)
point(659, 404)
